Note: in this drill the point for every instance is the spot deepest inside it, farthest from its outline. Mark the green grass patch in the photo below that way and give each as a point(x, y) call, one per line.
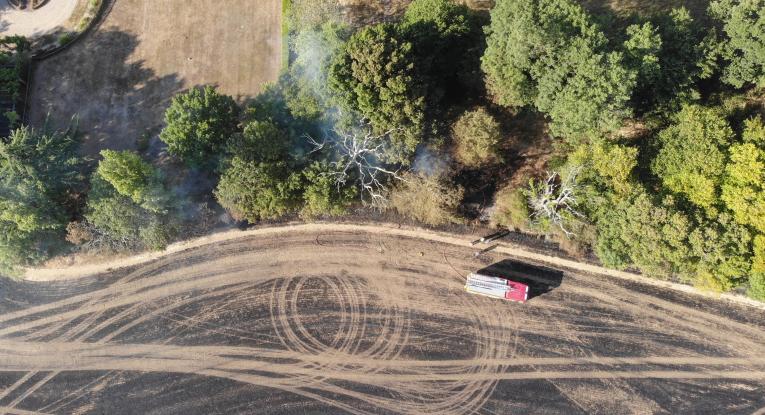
point(286, 11)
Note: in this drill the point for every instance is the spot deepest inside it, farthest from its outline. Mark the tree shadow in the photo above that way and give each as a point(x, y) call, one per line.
point(114, 99)
point(540, 279)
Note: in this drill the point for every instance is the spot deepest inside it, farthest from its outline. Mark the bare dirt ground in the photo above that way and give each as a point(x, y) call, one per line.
point(367, 323)
point(119, 79)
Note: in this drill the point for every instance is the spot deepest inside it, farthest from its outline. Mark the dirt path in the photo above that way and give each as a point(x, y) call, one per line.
point(515, 251)
point(34, 23)
point(330, 318)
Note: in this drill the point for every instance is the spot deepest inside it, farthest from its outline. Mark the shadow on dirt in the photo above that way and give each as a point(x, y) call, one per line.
point(540, 280)
point(116, 96)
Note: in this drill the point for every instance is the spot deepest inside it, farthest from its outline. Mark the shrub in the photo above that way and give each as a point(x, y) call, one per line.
point(511, 209)
point(476, 138)
point(430, 200)
point(322, 195)
point(198, 123)
point(254, 190)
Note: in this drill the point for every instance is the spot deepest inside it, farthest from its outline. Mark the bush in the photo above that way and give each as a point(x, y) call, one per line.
point(430, 200)
point(511, 209)
point(254, 190)
point(757, 286)
point(120, 223)
point(476, 138)
point(198, 123)
point(322, 195)
point(132, 177)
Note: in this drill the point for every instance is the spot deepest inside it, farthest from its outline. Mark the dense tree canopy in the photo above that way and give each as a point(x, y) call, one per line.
point(252, 190)
point(744, 48)
point(692, 154)
point(743, 187)
point(376, 76)
point(198, 123)
point(40, 174)
point(549, 53)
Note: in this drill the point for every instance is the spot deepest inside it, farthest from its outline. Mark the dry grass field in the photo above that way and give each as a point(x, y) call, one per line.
point(120, 78)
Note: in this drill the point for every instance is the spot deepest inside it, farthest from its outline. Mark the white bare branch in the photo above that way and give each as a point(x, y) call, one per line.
point(554, 199)
point(359, 160)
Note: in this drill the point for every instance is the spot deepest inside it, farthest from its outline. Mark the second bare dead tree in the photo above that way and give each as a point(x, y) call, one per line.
point(554, 199)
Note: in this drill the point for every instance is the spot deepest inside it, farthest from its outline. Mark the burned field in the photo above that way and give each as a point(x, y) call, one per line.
point(364, 323)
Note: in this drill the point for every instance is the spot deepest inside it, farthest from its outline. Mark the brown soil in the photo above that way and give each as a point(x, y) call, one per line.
point(119, 79)
point(348, 321)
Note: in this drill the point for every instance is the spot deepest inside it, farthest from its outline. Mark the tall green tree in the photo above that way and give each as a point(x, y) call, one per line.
point(40, 178)
point(692, 155)
point(743, 186)
point(375, 75)
point(550, 54)
point(198, 123)
point(636, 230)
point(252, 191)
point(744, 45)
point(124, 224)
point(134, 178)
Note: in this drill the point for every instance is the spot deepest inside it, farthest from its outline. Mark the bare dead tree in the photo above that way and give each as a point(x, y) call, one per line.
point(359, 161)
point(555, 200)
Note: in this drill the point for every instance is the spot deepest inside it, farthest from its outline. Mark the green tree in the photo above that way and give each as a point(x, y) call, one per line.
point(721, 250)
point(449, 40)
point(670, 56)
point(132, 177)
point(692, 154)
point(635, 230)
point(549, 53)
point(253, 191)
point(40, 178)
point(322, 194)
point(430, 200)
point(305, 86)
point(757, 276)
point(744, 46)
point(476, 138)
point(607, 166)
point(375, 75)
point(260, 141)
point(743, 187)
point(198, 123)
point(124, 224)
